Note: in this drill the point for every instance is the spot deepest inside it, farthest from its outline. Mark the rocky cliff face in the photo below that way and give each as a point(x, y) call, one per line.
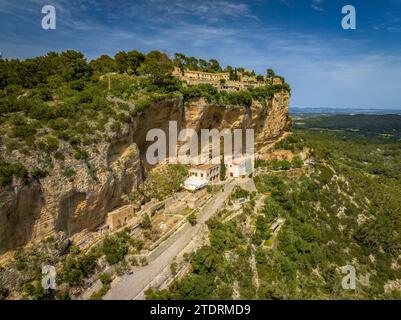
point(269, 120)
point(36, 208)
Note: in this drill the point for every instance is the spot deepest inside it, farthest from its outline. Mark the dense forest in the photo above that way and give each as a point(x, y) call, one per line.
point(342, 208)
point(389, 123)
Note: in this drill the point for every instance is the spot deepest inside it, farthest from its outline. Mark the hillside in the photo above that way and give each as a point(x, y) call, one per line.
point(340, 207)
point(73, 139)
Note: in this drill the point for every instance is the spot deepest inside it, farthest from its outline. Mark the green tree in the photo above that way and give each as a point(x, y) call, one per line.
point(121, 59)
point(104, 64)
point(270, 76)
point(115, 248)
point(270, 73)
point(192, 219)
point(214, 65)
point(134, 60)
point(74, 66)
point(223, 171)
point(158, 66)
point(180, 61)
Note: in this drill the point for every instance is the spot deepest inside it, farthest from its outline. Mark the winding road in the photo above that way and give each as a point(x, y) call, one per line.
point(130, 286)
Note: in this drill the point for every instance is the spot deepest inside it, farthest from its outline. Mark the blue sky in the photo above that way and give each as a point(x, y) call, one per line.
point(300, 39)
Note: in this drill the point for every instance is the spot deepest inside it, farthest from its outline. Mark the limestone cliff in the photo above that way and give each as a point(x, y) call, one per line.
point(269, 120)
point(32, 209)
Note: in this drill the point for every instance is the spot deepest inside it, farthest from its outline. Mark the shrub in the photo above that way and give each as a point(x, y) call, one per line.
point(192, 219)
point(173, 268)
point(25, 132)
point(105, 278)
point(59, 124)
point(39, 173)
point(41, 111)
point(72, 139)
point(143, 103)
point(52, 143)
point(4, 292)
point(81, 154)
point(59, 156)
point(17, 119)
point(207, 91)
point(99, 294)
point(137, 244)
point(42, 92)
point(239, 98)
point(7, 171)
point(68, 173)
point(115, 126)
point(145, 222)
point(163, 183)
point(83, 128)
point(122, 117)
point(37, 292)
point(115, 248)
point(240, 193)
point(297, 162)
point(123, 106)
point(76, 268)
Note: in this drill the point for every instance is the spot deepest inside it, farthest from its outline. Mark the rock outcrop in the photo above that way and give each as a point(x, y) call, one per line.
point(269, 120)
point(33, 209)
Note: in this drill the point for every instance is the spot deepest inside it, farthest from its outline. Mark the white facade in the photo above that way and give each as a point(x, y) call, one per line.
point(202, 175)
point(240, 168)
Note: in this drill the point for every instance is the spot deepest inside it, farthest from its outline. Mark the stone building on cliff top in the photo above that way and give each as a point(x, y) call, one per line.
point(221, 80)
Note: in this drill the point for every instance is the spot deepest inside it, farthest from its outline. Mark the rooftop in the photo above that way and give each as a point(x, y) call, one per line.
point(241, 159)
point(193, 183)
point(206, 166)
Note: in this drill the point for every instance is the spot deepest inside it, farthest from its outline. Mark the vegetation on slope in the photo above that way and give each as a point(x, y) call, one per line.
point(22, 277)
point(60, 106)
point(342, 210)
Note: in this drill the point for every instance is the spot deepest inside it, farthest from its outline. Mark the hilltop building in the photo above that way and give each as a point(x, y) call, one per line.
point(221, 80)
point(205, 76)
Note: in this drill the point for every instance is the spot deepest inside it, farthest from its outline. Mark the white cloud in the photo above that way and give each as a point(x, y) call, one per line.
point(321, 70)
point(316, 5)
point(207, 10)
